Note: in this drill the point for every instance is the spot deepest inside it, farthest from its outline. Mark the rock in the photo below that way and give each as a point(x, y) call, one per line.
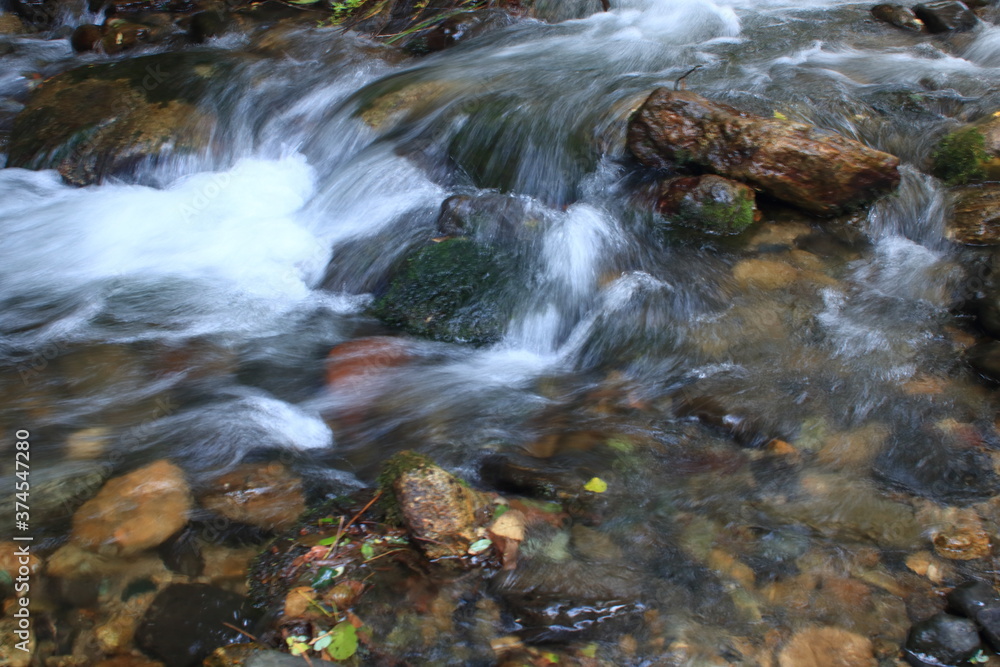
point(985, 360)
point(765, 274)
point(277, 659)
point(207, 24)
point(121, 36)
point(810, 168)
point(181, 553)
point(59, 490)
point(134, 512)
point(971, 598)
point(942, 639)
point(988, 620)
point(185, 624)
point(899, 16)
point(11, 24)
point(267, 496)
point(101, 120)
point(88, 444)
point(353, 364)
point(459, 28)
point(451, 291)
point(10, 655)
point(117, 633)
point(128, 661)
point(975, 218)
point(827, 647)
point(12, 559)
point(436, 508)
point(489, 218)
point(946, 16)
point(712, 203)
point(962, 543)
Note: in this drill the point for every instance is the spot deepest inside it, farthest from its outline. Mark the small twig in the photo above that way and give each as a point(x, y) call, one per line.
point(244, 633)
point(342, 530)
point(393, 551)
point(677, 83)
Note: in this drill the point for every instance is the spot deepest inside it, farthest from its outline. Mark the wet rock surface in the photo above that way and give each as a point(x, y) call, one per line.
point(134, 512)
point(712, 203)
point(976, 216)
point(899, 16)
point(946, 16)
point(103, 120)
point(455, 290)
point(816, 170)
point(186, 622)
point(943, 640)
point(267, 496)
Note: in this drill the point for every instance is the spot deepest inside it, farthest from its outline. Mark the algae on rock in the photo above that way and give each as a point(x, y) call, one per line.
point(450, 291)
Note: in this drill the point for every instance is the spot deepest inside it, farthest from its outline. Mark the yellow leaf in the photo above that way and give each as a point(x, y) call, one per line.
point(597, 485)
point(780, 116)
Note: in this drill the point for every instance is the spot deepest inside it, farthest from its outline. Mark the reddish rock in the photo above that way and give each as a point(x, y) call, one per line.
point(134, 512)
point(356, 362)
point(813, 169)
point(899, 16)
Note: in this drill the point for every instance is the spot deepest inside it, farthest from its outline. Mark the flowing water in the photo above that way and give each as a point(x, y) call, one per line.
point(186, 311)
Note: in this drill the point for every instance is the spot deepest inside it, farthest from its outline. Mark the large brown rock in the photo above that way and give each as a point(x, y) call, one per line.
point(102, 120)
point(975, 218)
point(134, 512)
point(813, 169)
point(266, 496)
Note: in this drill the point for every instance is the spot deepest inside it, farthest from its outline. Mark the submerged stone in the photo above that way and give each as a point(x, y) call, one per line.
point(267, 496)
point(186, 622)
point(942, 639)
point(451, 291)
point(827, 647)
point(975, 218)
point(134, 512)
point(813, 169)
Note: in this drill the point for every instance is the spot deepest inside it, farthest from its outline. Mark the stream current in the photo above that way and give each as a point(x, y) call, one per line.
point(186, 312)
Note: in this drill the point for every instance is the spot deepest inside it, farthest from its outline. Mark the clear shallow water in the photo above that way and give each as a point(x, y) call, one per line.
point(189, 310)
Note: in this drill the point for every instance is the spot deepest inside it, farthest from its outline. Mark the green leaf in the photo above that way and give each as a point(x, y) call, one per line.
point(326, 520)
point(327, 541)
point(479, 546)
point(780, 116)
point(500, 511)
point(322, 642)
point(597, 485)
point(297, 644)
point(302, 2)
point(343, 641)
point(326, 576)
point(589, 651)
point(367, 551)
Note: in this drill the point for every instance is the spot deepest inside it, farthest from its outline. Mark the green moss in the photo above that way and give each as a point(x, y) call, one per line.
point(395, 466)
point(451, 291)
point(959, 157)
point(727, 218)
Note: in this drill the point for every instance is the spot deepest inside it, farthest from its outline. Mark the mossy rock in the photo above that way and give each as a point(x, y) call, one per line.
point(98, 121)
point(710, 203)
point(452, 291)
point(960, 157)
